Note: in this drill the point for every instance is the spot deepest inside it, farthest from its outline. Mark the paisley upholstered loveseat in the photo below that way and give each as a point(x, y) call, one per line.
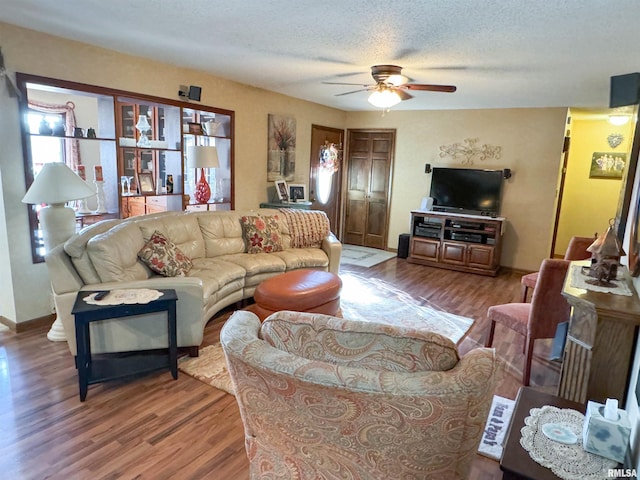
point(325, 398)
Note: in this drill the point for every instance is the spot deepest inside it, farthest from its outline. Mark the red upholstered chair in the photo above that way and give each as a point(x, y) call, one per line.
point(577, 250)
point(539, 318)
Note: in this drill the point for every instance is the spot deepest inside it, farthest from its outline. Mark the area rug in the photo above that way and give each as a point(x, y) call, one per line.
point(361, 299)
point(496, 428)
point(209, 367)
point(375, 300)
point(364, 256)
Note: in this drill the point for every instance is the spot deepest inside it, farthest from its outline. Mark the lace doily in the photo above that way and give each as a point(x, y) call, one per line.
point(567, 461)
point(126, 296)
point(578, 280)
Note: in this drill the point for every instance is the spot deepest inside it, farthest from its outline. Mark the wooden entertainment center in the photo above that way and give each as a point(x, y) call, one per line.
point(469, 243)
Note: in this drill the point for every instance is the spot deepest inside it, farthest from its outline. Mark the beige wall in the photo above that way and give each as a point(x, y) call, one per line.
point(589, 203)
point(25, 290)
point(531, 141)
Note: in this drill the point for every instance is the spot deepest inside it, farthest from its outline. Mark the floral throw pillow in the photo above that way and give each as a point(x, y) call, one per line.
point(163, 256)
point(261, 234)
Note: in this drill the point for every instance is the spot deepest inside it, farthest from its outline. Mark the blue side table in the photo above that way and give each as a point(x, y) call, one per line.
point(92, 371)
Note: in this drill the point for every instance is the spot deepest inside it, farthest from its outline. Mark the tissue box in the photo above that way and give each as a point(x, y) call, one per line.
point(608, 438)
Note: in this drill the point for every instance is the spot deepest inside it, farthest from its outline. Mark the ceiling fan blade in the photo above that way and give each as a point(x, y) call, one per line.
point(343, 83)
point(402, 94)
point(352, 91)
point(431, 88)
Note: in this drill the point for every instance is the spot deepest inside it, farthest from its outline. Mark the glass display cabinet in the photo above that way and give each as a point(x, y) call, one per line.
point(214, 128)
point(136, 144)
point(149, 154)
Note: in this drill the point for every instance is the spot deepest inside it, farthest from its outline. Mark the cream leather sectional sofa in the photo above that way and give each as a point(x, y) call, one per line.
point(104, 257)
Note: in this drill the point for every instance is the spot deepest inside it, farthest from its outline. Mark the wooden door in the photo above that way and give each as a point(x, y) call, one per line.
point(325, 137)
point(563, 176)
point(368, 171)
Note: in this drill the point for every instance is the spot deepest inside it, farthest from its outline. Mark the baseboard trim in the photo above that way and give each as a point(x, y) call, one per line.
point(33, 324)
point(8, 323)
point(516, 270)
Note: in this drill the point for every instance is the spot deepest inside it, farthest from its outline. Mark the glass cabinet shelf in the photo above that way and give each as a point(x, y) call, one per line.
point(72, 137)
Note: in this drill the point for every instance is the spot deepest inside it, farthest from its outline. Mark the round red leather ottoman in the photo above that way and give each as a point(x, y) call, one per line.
point(300, 291)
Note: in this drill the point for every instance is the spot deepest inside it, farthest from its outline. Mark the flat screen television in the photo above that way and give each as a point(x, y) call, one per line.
point(467, 190)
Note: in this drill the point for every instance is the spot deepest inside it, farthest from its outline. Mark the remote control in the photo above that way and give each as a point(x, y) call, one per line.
point(101, 295)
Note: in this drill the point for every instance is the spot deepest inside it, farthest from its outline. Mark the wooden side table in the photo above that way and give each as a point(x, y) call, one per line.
point(516, 464)
point(92, 371)
point(598, 355)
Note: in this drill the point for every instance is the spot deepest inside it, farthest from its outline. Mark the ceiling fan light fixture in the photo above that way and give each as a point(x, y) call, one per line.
point(384, 98)
point(396, 80)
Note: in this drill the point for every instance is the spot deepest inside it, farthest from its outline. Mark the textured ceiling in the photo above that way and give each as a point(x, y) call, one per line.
point(500, 54)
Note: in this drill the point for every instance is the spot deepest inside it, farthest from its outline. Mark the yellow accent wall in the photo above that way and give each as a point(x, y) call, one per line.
point(589, 203)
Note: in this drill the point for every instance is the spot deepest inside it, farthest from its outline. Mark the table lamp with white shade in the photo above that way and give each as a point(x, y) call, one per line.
point(55, 185)
point(202, 156)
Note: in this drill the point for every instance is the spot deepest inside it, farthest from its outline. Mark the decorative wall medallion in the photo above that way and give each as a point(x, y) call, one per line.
point(469, 150)
point(615, 139)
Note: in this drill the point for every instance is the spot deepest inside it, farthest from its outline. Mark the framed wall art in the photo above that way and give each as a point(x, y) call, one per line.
point(607, 165)
point(297, 192)
point(281, 160)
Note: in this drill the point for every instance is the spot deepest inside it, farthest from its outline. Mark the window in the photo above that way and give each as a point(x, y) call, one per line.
point(45, 149)
point(328, 165)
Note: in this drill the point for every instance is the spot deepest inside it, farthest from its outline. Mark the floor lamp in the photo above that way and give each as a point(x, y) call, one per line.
point(55, 185)
point(202, 156)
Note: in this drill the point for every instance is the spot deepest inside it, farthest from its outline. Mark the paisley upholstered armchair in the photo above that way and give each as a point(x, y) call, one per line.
point(328, 398)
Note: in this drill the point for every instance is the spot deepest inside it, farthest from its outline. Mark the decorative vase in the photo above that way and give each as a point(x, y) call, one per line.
point(211, 128)
point(100, 196)
point(44, 128)
point(283, 162)
point(203, 191)
point(58, 129)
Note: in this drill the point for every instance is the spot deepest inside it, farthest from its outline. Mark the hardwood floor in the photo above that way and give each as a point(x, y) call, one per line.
point(155, 427)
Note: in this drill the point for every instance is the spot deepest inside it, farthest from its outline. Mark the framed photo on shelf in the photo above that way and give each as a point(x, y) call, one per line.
point(297, 192)
point(282, 190)
point(145, 183)
point(195, 128)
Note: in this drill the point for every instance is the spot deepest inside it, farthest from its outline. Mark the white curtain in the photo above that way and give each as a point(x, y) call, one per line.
point(71, 145)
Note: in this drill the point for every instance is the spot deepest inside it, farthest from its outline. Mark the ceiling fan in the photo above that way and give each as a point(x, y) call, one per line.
point(391, 86)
